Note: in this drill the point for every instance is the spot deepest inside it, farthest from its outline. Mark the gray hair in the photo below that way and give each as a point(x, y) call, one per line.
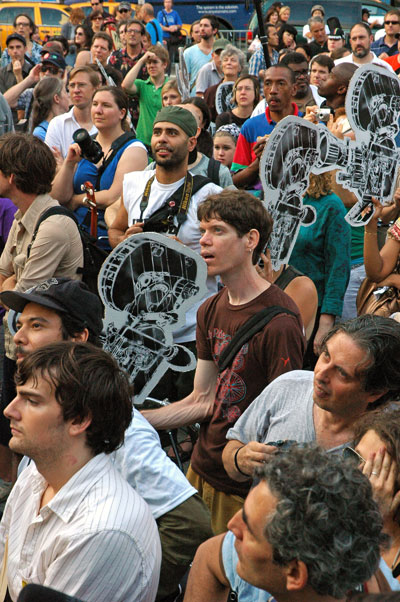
point(231, 50)
point(314, 20)
point(325, 517)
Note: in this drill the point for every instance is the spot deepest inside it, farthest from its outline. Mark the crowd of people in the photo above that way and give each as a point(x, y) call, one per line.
point(292, 493)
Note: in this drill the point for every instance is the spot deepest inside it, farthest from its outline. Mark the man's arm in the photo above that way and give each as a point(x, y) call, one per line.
point(196, 407)
point(129, 81)
point(248, 458)
point(14, 92)
point(119, 230)
point(207, 579)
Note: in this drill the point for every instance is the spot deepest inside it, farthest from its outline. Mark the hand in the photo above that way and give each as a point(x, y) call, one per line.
point(58, 156)
point(135, 229)
point(323, 328)
point(335, 127)
point(149, 55)
point(384, 55)
point(34, 74)
point(9, 284)
point(266, 272)
point(260, 145)
point(312, 114)
point(381, 470)
point(74, 154)
point(252, 455)
point(373, 222)
point(17, 68)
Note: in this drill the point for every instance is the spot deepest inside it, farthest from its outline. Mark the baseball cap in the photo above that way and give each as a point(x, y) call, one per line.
point(51, 46)
point(63, 295)
point(318, 7)
point(365, 11)
point(220, 44)
point(55, 59)
point(124, 6)
point(336, 34)
point(15, 36)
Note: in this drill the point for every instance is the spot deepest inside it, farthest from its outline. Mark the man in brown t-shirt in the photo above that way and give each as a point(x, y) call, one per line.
point(235, 228)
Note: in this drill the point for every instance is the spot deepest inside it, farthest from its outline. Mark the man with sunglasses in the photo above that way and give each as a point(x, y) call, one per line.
point(123, 12)
point(98, 6)
point(358, 370)
point(20, 96)
point(387, 44)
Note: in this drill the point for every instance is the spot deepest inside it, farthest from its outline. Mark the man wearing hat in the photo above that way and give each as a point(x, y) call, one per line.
point(211, 74)
point(20, 95)
point(123, 12)
point(387, 44)
point(174, 136)
point(19, 68)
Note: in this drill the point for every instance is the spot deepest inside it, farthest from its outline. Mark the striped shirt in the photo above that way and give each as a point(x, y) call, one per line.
point(96, 539)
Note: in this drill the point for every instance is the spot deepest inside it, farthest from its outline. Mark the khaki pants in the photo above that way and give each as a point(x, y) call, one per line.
point(221, 505)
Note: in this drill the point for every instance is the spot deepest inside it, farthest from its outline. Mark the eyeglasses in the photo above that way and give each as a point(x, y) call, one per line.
point(51, 68)
point(391, 22)
point(300, 73)
point(351, 454)
point(19, 24)
point(97, 19)
point(138, 31)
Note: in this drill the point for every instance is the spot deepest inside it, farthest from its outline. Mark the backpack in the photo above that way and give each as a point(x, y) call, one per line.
point(93, 256)
point(213, 170)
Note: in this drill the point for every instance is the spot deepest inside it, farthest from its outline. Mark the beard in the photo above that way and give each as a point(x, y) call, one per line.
point(176, 158)
point(361, 53)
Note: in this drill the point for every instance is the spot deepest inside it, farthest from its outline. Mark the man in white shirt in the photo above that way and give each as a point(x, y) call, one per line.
point(72, 522)
point(360, 42)
point(83, 82)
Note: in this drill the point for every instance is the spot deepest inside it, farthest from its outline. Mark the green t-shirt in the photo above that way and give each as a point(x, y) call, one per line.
point(149, 104)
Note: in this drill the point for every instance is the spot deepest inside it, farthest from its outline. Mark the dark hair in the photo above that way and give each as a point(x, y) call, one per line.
point(204, 140)
point(295, 58)
point(290, 71)
point(71, 327)
point(213, 20)
point(101, 35)
point(242, 211)
point(88, 35)
point(96, 13)
point(361, 24)
point(120, 24)
point(306, 49)
point(120, 99)
point(43, 98)
point(379, 337)
point(136, 22)
point(256, 85)
point(29, 160)
point(31, 23)
point(88, 383)
point(270, 12)
point(339, 53)
point(324, 60)
point(63, 41)
point(290, 29)
point(325, 516)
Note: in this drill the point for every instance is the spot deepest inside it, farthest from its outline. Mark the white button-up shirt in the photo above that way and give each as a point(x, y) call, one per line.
point(61, 129)
point(96, 539)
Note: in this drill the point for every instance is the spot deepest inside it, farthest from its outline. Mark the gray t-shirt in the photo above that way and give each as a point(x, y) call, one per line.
point(284, 410)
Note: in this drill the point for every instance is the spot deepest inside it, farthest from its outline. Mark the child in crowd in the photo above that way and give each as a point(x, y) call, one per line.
point(225, 140)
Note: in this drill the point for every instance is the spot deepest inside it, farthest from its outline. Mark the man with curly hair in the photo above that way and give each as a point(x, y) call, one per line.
point(309, 530)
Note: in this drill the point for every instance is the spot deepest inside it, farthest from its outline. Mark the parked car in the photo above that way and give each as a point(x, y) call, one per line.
point(48, 16)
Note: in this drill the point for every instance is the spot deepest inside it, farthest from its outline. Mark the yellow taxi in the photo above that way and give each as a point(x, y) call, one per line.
point(47, 16)
point(109, 6)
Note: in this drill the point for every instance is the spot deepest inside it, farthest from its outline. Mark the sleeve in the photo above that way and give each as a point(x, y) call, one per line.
point(254, 422)
point(139, 85)
point(230, 559)
point(5, 58)
point(202, 344)
point(6, 264)
point(52, 135)
point(256, 63)
point(201, 84)
point(3, 87)
point(161, 19)
point(336, 260)
point(115, 558)
point(225, 178)
point(242, 156)
point(178, 19)
point(7, 221)
point(51, 245)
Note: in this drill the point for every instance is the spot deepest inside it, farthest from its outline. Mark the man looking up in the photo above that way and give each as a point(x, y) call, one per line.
point(199, 54)
point(283, 543)
point(83, 81)
point(257, 64)
point(387, 44)
point(279, 89)
point(235, 228)
point(360, 42)
point(352, 375)
point(84, 530)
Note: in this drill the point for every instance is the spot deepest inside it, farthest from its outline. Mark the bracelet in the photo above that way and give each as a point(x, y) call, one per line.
point(236, 462)
point(371, 233)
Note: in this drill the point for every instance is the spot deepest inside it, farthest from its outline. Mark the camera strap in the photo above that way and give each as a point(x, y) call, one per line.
point(115, 147)
point(178, 203)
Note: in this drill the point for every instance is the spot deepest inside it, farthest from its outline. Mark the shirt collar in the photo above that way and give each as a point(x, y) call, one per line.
point(295, 112)
point(30, 217)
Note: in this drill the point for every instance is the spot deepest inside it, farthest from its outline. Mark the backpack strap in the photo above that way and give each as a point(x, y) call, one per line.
point(156, 30)
point(115, 147)
point(48, 213)
point(213, 170)
point(247, 331)
point(286, 277)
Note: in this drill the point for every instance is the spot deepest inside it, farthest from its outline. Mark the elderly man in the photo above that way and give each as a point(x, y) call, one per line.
point(358, 369)
point(303, 535)
point(320, 38)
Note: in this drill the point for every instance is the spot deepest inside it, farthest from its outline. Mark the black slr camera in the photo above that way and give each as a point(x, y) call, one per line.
point(90, 148)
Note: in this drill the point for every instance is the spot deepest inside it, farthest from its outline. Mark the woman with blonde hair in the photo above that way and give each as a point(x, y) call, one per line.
point(170, 94)
point(322, 252)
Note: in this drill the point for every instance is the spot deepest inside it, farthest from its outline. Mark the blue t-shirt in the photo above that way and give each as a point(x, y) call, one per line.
point(245, 591)
point(41, 130)
point(195, 59)
point(155, 31)
point(87, 171)
point(168, 19)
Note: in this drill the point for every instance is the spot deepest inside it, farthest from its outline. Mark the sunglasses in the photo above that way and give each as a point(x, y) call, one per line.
point(136, 31)
point(51, 68)
point(124, 10)
point(351, 454)
point(391, 22)
point(97, 18)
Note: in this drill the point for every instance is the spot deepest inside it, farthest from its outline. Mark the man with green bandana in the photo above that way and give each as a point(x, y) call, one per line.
point(144, 192)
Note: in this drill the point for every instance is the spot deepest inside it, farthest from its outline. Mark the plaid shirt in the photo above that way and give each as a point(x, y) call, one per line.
point(121, 60)
point(257, 61)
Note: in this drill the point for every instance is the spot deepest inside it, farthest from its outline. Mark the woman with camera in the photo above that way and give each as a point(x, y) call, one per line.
point(103, 161)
